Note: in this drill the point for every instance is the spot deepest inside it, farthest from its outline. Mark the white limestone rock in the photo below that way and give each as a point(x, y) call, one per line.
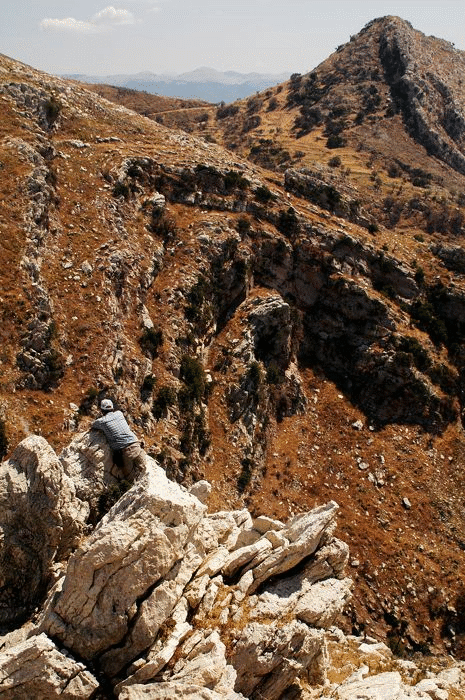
point(178, 691)
point(41, 519)
point(135, 545)
point(269, 657)
point(323, 602)
point(36, 669)
point(201, 490)
point(88, 461)
point(383, 686)
point(305, 533)
point(153, 612)
point(240, 557)
point(264, 524)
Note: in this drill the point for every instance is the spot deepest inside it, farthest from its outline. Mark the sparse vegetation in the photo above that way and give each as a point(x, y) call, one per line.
point(263, 194)
point(52, 109)
point(147, 386)
point(166, 397)
point(151, 341)
point(3, 439)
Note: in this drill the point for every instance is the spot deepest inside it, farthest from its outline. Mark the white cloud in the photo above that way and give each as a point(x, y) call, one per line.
point(109, 16)
point(103, 20)
point(68, 25)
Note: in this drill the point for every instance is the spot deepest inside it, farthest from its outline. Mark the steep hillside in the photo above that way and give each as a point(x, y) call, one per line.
point(289, 355)
point(382, 119)
point(156, 107)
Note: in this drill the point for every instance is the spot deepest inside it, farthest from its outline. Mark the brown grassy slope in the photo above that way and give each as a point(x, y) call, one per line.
point(409, 559)
point(144, 103)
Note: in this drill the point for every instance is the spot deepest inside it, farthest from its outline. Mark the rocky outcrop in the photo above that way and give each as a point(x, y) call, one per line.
point(328, 193)
point(164, 600)
point(41, 520)
point(159, 578)
point(431, 110)
point(37, 669)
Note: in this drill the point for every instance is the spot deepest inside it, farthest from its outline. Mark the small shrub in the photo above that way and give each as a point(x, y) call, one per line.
point(242, 225)
point(111, 496)
point(147, 386)
point(334, 162)
point(287, 221)
point(245, 476)
point(336, 141)
point(88, 401)
point(424, 314)
point(163, 226)
point(193, 376)
point(151, 340)
point(198, 310)
point(166, 397)
point(413, 347)
point(419, 275)
point(235, 180)
point(121, 189)
point(255, 375)
point(224, 111)
point(441, 374)
point(274, 375)
point(251, 123)
point(52, 108)
point(264, 194)
point(3, 439)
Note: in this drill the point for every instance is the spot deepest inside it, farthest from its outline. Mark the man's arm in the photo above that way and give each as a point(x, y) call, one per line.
point(97, 424)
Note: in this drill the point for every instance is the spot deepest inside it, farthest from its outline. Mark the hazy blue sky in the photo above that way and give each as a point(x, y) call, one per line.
point(106, 36)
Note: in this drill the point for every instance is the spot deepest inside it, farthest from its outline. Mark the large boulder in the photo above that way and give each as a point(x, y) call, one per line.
point(115, 571)
point(37, 670)
point(41, 520)
point(268, 658)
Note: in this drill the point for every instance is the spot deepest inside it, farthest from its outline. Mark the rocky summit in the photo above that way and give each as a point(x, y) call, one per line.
point(273, 293)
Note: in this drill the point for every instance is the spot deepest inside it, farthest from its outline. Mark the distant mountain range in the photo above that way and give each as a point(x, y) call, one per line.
point(202, 83)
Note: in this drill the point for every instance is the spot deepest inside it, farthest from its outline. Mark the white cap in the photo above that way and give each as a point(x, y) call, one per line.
point(106, 405)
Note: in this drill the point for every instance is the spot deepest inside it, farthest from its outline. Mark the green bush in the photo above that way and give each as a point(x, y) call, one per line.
point(111, 496)
point(3, 439)
point(419, 275)
point(335, 141)
point(274, 375)
point(264, 194)
point(243, 225)
point(85, 407)
point(121, 189)
point(52, 108)
point(235, 180)
point(147, 386)
point(166, 397)
point(193, 376)
point(424, 314)
point(224, 111)
point(245, 476)
point(151, 340)
point(334, 162)
point(413, 347)
point(287, 221)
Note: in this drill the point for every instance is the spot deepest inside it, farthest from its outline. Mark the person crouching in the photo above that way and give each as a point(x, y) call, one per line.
point(121, 438)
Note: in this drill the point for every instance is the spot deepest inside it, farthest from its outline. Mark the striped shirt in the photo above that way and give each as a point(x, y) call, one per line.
point(117, 432)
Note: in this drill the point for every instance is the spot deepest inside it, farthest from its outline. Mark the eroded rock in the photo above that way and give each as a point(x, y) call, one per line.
point(37, 669)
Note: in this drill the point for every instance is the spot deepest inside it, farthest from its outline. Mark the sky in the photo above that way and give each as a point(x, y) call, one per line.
point(105, 37)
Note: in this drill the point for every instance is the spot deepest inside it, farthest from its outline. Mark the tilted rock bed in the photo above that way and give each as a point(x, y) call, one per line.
point(160, 599)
